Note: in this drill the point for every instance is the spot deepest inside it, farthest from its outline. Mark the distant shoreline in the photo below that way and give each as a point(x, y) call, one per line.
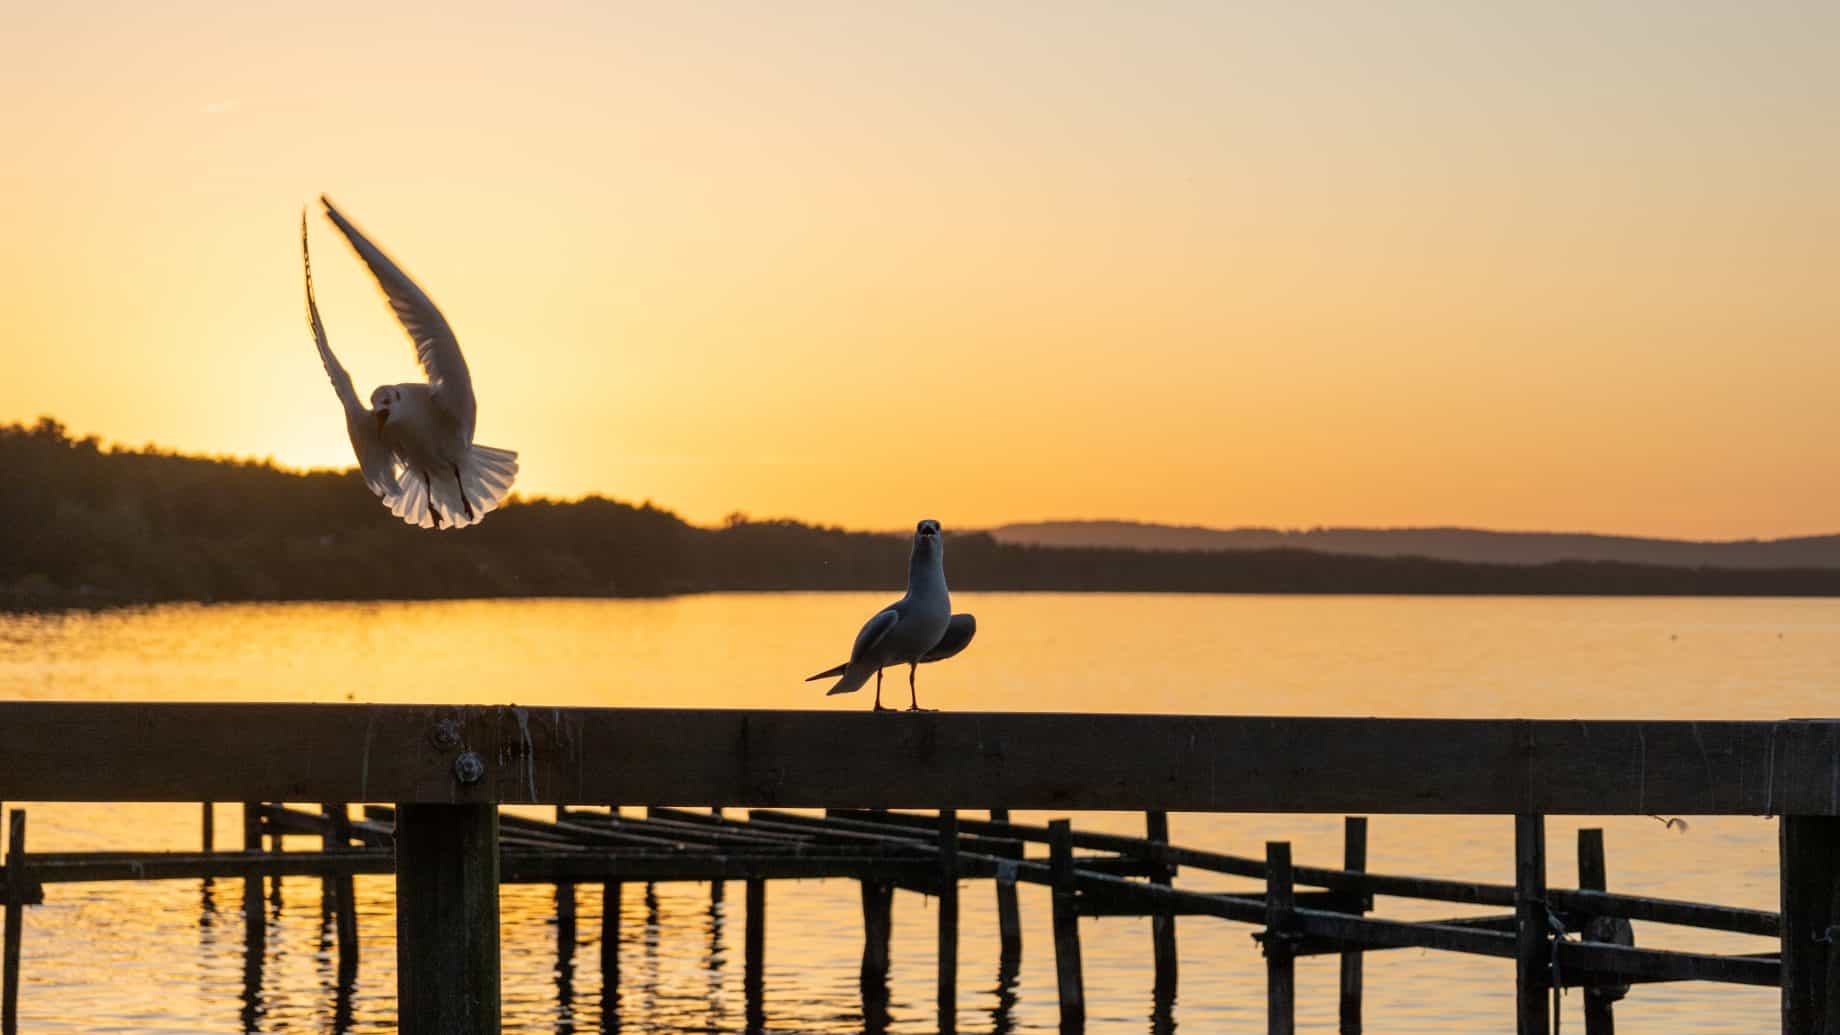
point(91, 527)
point(15, 602)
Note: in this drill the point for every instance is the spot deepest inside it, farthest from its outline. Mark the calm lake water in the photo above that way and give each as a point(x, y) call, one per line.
point(167, 957)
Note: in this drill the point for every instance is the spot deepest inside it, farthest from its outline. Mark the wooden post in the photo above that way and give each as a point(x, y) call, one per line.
point(447, 919)
point(1354, 859)
point(255, 921)
point(565, 910)
point(207, 833)
point(1810, 875)
point(754, 967)
point(1067, 968)
point(948, 921)
point(1009, 914)
point(344, 894)
point(1162, 928)
point(15, 920)
point(1280, 961)
point(610, 952)
point(716, 888)
point(878, 926)
point(1599, 1018)
point(1533, 945)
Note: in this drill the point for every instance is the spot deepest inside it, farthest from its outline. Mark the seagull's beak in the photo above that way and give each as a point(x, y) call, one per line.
point(383, 416)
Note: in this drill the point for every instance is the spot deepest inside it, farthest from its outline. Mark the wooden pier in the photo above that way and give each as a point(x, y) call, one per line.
point(445, 771)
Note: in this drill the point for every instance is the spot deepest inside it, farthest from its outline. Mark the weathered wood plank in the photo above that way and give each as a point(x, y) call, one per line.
point(1633, 907)
point(115, 751)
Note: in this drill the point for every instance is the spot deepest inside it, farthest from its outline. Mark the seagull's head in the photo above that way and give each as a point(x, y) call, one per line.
point(927, 539)
point(381, 401)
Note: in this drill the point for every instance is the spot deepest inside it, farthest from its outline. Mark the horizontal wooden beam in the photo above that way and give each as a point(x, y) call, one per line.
point(109, 751)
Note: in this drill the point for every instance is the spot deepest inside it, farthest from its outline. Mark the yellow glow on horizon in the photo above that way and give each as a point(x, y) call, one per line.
point(1258, 265)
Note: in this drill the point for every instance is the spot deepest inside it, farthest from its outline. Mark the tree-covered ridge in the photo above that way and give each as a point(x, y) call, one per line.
point(86, 523)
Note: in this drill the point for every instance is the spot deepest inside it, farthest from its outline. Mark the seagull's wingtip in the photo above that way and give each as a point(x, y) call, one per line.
point(827, 673)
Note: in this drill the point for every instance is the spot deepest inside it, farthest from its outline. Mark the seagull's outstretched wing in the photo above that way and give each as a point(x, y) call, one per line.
point(375, 460)
point(958, 636)
point(435, 344)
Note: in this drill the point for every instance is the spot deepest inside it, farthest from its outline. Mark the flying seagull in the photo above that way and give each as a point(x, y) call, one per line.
point(918, 628)
point(415, 441)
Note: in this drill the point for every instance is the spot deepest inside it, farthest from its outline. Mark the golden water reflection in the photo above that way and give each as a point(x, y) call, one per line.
point(168, 957)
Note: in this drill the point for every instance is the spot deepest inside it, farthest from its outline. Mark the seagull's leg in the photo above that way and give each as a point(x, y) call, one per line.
point(878, 692)
point(464, 502)
point(912, 667)
point(433, 507)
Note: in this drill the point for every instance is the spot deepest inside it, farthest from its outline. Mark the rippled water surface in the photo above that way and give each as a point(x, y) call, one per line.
point(168, 956)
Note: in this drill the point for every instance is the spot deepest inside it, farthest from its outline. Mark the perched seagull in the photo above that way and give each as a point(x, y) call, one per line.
point(415, 442)
point(918, 628)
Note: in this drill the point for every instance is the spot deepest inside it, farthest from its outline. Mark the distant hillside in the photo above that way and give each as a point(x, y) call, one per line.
point(1468, 545)
point(85, 524)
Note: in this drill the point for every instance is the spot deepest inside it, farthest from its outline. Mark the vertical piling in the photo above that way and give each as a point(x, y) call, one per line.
point(1067, 968)
point(948, 921)
point(1009, 914)
point(878, 926)
point(1533, 946)
point(565, 911)
point(1280, 960)
point(1810, 876)
point(610, 951)
point(207, 828)
point(716, 888)
point(344, 894)
point(1354, 859)
point(447, 958)
point(255, 923)
point(1599, 1018)
point(15, 919)
point(753, 973)
point(1162, 928)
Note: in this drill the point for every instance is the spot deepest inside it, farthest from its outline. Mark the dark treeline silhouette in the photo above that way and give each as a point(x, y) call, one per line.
point(84, 524)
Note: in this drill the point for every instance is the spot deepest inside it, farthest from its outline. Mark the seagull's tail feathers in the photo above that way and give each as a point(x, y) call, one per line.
point(827, 673)
point(486, 477)
point(412, 501)
point(852, 681)
point(455, 498)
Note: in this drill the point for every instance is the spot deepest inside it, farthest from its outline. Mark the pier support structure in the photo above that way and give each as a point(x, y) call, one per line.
point(1810, 867)
point(447, 962)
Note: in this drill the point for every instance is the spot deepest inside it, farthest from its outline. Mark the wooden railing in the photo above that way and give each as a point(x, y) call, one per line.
point(446, 768)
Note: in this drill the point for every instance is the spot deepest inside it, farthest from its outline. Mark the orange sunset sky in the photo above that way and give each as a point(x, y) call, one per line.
point(1563, 266)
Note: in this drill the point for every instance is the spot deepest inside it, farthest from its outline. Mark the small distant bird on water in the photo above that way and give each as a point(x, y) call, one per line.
point(918, 628)
point(415, 441)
